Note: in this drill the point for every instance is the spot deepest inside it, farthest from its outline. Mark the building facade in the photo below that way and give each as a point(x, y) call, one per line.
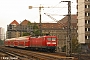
point(14, 29)
point(83, 12)
point(2, 33)
point(83, 21)
point(11, 30)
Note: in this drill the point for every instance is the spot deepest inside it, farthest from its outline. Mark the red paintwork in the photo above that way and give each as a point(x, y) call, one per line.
point(32, 41)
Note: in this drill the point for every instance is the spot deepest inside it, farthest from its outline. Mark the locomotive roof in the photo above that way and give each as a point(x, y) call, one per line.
point(49, 36)
point(22, 38)
point(19, 38)
point(42, 36)
point(26, 37)
point(10, 39)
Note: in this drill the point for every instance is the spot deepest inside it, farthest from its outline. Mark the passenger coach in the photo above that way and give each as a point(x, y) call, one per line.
point(45, 43)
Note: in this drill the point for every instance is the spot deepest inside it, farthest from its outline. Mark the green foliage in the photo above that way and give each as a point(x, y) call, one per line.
point(1, 42)
point(26, 34)
point(35, 26)
point(29, 23)
point(63, 49)
point(75, 46)
point(36, 30)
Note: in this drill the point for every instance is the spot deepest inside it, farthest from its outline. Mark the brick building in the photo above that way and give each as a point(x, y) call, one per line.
point(14, 29)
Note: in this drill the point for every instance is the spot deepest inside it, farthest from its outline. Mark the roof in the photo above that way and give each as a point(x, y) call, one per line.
point(62, 23)
point(65, 19)
point(25, 22)
point(14, 23)
point(49, 25)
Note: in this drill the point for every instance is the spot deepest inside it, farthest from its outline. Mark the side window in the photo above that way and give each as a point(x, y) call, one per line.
point(53, 39)
point(49, 39)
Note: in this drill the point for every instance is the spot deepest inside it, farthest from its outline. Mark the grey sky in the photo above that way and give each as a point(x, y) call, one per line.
point(18, 10)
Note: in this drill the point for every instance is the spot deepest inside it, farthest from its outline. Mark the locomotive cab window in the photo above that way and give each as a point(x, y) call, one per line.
point(53, 39)
point(49, 39)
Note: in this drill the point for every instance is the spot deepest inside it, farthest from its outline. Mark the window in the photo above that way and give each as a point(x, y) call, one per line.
point(53, 39)
point(10, 27)
point(85, 29)
point(88, 14)
point(88, 21)
point(85, 6)
point(88, 29)
point(85, 37)
point(88, 37)
point(88, 6)
point(49, 39)
point(87, 0)
point(85, 14)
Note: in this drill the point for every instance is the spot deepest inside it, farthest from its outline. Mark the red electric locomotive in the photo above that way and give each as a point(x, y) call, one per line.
point(46, 43)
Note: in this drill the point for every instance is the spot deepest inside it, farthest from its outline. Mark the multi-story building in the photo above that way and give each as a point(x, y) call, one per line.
point(2, 33)
point(14, 29)
point(11, 30)
point(83, 12)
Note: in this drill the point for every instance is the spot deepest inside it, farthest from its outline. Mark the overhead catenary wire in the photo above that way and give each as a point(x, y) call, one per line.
point(59, 10)
point(55, 10)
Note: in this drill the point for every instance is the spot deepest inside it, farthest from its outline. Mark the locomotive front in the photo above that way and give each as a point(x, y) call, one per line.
point(51, 43)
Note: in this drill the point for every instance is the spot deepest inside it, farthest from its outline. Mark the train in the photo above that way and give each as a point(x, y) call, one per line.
point(41, 43)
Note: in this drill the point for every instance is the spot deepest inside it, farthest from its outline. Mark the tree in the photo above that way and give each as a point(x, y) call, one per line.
point(1, 42)
point(26, 34)
point(28, 31)
point(75, 46)
point(29, 23)
point(36, 30)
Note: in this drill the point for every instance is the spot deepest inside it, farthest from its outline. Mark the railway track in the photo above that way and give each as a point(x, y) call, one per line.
point(19, 54)
point(12, 55)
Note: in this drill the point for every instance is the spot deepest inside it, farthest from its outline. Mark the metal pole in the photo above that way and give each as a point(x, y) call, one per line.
point(40, 25)
point(20, 29)
point(40, 20)
point(68, 40)
point(69, 29)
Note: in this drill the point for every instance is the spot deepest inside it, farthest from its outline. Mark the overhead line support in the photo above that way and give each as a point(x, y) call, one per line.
point(68, 40)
